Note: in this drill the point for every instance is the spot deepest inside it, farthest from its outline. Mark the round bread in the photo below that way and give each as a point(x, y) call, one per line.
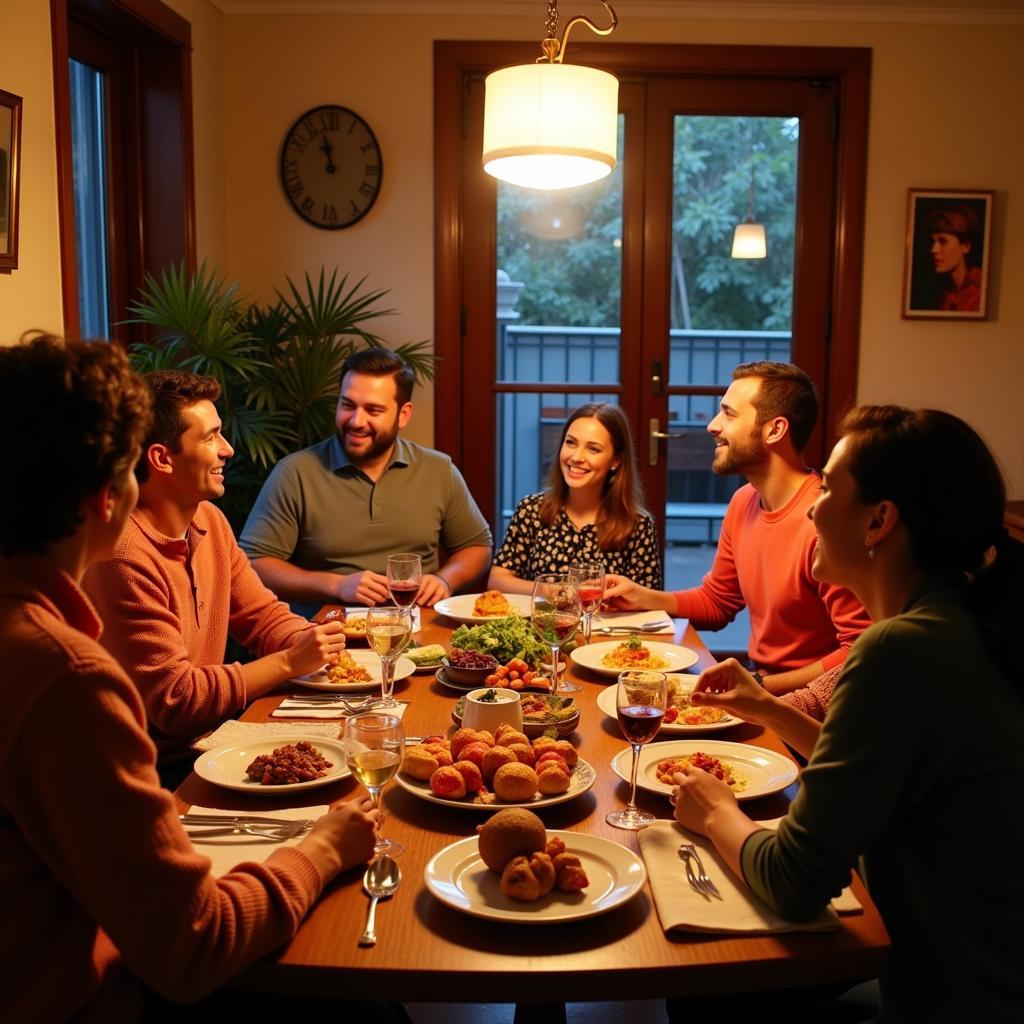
point(523, 752)
point(460, 738)
point(515, 782)
point(470, 775)
point(552, 779)
point(513, 832)
point(494, 759)
point(448, 782)
point(568, 751)
point(419, 763)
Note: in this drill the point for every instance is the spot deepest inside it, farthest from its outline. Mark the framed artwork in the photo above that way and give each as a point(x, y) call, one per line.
point(10, 160)
point(946, 273)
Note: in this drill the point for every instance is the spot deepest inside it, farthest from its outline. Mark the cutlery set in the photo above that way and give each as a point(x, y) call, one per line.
point(650, 627)
point(699, 879)
point(334, 700)
point(204, 827)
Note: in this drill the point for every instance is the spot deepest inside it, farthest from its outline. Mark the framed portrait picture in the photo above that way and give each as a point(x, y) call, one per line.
point(946, 273)
point(10, 144)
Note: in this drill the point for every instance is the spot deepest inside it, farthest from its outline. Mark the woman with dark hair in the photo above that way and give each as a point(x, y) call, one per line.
point(955, 235)
point(919, 764)
point(102, 889)
point(591, 509)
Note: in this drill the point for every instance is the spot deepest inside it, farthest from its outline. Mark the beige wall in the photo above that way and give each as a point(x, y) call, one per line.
point(30, 296)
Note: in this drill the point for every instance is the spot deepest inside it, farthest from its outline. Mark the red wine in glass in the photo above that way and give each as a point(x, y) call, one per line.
point(404, 594)
point(590, 598)
point(559, 626)
point(640, 724)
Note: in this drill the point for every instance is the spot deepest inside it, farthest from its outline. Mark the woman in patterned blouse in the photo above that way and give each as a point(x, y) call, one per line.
point(591, 509)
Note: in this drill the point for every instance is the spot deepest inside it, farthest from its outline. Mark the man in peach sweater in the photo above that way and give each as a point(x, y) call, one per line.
point(800, 628)
point(178, 584)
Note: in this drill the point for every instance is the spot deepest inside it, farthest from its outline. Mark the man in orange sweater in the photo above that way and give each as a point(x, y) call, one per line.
point(799, 628)
point(178, 583)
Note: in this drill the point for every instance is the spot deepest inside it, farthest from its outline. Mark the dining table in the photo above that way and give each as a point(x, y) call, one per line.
point(429, 952)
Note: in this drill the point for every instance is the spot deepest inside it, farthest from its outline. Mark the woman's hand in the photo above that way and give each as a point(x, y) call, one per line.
point(697, 795)
point(731, 687)
point(342, 838)
point(623, 595)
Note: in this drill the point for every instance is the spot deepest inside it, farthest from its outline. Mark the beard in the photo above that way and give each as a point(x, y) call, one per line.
point(379, 443)
point(739, 456)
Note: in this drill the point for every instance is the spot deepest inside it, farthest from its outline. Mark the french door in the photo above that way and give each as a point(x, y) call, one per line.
point(505, 388)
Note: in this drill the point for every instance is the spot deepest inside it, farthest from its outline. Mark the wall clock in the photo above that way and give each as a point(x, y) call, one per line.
point(331, 167)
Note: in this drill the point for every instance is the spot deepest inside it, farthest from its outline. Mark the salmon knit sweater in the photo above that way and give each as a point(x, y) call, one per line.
point(168, 606)
point(764, 562)
point(98, 880)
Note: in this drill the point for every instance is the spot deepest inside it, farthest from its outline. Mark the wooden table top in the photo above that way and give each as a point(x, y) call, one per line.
point(427, 951)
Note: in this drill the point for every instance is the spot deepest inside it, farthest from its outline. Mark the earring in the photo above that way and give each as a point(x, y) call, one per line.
point(871, 552)
point(870, 548)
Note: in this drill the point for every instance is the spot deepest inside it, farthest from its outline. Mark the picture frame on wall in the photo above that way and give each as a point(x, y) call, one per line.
point(10, 162)
point(946, 272)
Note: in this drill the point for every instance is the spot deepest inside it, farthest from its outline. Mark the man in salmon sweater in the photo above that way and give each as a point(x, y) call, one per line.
point(178, 583)
point(799, 628)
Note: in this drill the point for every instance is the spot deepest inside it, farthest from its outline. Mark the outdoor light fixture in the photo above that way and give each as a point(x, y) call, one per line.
point(550, 125)
point(748, 240)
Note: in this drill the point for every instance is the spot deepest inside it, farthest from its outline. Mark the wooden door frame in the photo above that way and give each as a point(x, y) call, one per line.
point(458, 174)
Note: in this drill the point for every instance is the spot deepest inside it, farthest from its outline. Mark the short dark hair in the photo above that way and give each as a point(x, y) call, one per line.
point(173, 391)
point(72, 418)
point(381, 362)
point(960, 220)
point(785, 391)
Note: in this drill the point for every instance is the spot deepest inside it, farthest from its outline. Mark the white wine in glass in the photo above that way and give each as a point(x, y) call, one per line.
point(640, 698)
point(555, 614)
point(387, 630)
point(374, 745)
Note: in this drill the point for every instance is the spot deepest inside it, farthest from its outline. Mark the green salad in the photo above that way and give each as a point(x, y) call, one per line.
point(505, 639)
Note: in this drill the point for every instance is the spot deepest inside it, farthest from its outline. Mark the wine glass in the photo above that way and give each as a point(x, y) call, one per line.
point(387, 629)
point(640, 698)
point(555, 614)
point(590, 583)
point(373, 752)
point(405, 573)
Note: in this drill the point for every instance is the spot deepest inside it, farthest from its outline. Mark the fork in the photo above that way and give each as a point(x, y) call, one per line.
point(703, 883)
point(650, 627)
point(274, 833)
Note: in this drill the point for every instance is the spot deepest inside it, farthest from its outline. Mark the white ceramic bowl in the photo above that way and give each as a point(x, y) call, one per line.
point(503, 706)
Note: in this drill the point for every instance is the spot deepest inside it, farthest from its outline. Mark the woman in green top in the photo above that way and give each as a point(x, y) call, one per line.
point(917, 772)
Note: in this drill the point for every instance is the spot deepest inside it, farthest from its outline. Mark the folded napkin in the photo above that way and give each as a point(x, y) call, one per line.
point(289, 708)
point(246, 732)
point(230, 851)
point(634, 620)
point(739, 910)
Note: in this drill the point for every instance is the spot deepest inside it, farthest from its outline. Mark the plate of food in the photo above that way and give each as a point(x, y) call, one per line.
point(751, 771)
point(353, 672)
point(611, 657)
point(459, 877)
point(681, 717)
point(540, 713)
point(284, 764)
point(472, 609)
point(426, 659)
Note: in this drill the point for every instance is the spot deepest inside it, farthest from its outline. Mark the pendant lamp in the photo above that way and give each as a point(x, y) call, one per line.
point(748, 240)
point(550, 125)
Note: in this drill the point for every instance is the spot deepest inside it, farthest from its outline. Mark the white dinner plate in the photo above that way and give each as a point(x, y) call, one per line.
point(765, 771)
point(370, 661)
point(460, 608)
point(225, 766)
point(459, 878)
point(606, 702)
point(581, 779)
point(590, 655)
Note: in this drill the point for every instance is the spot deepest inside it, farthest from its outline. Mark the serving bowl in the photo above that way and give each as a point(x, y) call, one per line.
point(469, 676)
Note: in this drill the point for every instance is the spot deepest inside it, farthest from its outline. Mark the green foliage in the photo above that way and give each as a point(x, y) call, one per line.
point(278, 365)
point(566, 246)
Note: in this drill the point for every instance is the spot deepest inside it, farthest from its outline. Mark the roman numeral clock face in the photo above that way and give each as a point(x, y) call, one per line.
point(331, 167)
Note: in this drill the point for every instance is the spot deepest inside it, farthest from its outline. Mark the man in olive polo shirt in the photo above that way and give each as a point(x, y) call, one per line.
point(328, 516)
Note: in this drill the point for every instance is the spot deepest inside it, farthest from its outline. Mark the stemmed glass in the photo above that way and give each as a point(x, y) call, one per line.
point(555, 614)
point(387, 629)
point(640, 698)
point(373, 751)
point(405, 573)
point(590, 583)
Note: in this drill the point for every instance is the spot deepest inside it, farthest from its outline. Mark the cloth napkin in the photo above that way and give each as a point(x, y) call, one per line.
point(634, 620)
point(289, 708)
point(246, 732)
point(739, 910)
point(229, 851)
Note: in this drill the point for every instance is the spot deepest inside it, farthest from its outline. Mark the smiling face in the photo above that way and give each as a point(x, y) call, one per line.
point(739, 444)
point(368, 417)
point(948, 252)
point(587, 455)
point(198, 473)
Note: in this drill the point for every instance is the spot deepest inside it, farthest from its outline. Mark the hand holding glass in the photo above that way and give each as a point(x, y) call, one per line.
point(555, 614)
point(387, 629)
point(373, 752)
point(589, 578)
point(640, 698)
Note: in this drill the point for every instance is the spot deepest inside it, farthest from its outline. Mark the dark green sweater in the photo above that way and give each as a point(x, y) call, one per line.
point(919, 772)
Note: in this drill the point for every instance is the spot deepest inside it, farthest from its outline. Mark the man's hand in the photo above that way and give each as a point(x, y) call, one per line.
point(364, 588)
point(314, 647)
point(730, 686)
point(621, 594)
point(342, 838)
point(433, 588)
point(696, 796)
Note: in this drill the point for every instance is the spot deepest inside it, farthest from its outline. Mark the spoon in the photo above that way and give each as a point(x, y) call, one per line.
point(380, 881)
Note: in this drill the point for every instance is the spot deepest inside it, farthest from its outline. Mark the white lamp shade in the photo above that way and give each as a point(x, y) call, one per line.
point(550, 126)
point(748, 242)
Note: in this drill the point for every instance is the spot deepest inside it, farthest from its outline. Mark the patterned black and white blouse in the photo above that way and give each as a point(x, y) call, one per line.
point(530, 548)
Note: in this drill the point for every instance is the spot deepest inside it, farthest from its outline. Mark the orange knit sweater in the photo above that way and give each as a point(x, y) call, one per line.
point(98, 880)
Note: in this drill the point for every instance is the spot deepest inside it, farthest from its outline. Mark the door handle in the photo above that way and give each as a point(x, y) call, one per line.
point(657, 435)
